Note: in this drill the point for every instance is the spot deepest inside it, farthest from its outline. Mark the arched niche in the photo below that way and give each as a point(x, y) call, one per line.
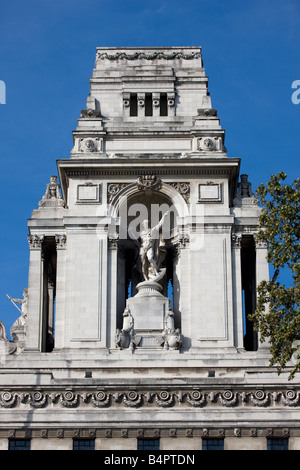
point(128, 208)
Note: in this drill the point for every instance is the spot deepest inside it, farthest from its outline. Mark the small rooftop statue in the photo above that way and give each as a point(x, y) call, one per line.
point(245, 195)
point(52, 196)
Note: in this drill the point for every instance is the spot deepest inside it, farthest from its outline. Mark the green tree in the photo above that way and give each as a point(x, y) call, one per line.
point(277, 316)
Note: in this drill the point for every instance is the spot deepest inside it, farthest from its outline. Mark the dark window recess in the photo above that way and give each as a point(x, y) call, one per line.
point(148, 104)
point(133, 104)
point(163, 104)
point(213, 444)
point(49, 292)
point(248, 262)
point(83, 444)
point(277, 444)
point(19, 444)
point(148, 444)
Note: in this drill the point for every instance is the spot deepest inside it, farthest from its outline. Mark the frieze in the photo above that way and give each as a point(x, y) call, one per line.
point(147, 56)
point(148, 432)
point(163, 398)
point(136, 172)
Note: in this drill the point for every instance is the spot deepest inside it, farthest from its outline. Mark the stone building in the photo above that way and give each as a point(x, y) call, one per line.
point(144, 262)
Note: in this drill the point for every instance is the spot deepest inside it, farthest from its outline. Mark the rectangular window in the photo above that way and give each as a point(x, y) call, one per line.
point(148, 444)
point(278, 444)
point(212, 444)
point(83, 444)
point(19, 444)
point(148, 104)
point(163, 104)
point(133, 104)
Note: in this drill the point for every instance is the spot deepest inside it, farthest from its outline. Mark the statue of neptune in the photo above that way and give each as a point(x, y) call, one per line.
point(152, 250)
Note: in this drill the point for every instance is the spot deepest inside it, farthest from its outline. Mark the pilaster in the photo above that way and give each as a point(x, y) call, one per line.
point(61, 291)
point(35, 289)
point(112, 292)
point(236, 239)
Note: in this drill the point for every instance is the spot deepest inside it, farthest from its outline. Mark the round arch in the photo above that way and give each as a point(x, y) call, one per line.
point(126, 193)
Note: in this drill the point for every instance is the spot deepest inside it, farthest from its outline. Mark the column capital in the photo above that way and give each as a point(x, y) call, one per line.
point(35, 241)
point(61, 242)
point(113, 242)
point(259, 242)
point(236, 240)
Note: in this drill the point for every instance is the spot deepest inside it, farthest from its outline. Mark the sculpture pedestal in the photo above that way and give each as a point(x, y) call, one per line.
point(148, 321)
point(149, 308)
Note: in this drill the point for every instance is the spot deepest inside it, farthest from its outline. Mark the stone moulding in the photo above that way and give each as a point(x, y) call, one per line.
point(183, 188)
point(162, 398)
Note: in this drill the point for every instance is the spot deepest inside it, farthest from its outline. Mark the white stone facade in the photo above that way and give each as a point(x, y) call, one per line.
point(187, 366)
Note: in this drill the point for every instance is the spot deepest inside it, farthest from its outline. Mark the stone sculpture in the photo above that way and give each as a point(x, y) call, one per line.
point(152, 250)
point(52, 196)
point(22, 320)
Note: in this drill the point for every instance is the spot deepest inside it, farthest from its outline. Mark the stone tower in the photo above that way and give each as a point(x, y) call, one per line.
point(142, 276)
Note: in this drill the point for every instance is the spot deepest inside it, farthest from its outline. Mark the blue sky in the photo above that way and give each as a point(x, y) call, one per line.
point(47, 51)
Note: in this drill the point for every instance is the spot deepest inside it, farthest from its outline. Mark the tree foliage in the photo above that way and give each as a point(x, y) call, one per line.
point(277, 316)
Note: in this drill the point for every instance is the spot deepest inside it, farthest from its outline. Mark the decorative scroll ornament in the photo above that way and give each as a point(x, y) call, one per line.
point(132, 399)
point(260, 398)
point(100, 399)
point(291, 398)
point(37, 399)
point(164, 398)
point(183, 189)
point(151, 182)
point(90, 144)
point(69, 399)
point(228, 398)
point(7, 399)
point(113, 189)
point(196, 398)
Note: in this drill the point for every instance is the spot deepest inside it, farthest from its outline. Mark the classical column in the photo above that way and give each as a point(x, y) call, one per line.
point(262, 271)
point(35, 290)
point(237, 289)
point(60, 303)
